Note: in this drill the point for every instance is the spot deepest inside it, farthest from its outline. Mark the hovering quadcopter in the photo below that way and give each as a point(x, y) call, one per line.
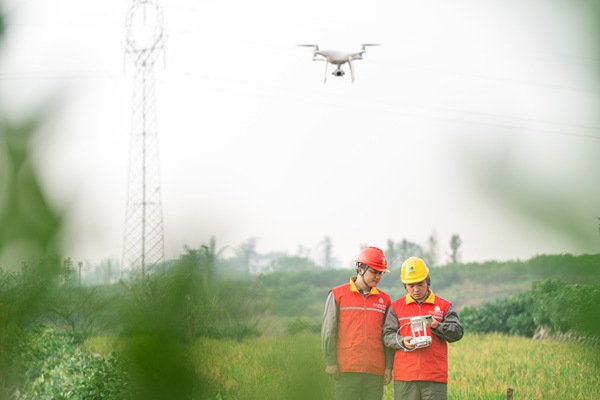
point(338, 58)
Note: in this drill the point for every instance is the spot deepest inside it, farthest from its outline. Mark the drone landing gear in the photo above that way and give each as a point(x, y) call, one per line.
point(418, 326)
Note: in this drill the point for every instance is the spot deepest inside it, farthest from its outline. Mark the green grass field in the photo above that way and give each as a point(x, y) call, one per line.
point(481, 367)
point(484, 366)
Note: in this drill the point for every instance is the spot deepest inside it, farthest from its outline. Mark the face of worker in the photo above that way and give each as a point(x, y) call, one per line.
point(418, 291)
point(371, 276)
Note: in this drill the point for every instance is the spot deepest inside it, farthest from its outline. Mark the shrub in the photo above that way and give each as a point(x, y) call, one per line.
point(300, 325)
point(53, 367)
point(555, 305)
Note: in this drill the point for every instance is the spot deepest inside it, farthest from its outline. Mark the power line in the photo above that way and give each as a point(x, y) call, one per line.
point(383, 110)
point(494, 78)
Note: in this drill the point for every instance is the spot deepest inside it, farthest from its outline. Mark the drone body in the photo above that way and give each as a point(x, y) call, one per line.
point(338, 58)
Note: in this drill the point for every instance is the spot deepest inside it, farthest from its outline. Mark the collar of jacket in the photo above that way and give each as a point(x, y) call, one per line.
point(430, 299)
point(354, 288)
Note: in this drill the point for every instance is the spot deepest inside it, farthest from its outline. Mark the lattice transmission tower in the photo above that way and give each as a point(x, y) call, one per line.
point(143, 241)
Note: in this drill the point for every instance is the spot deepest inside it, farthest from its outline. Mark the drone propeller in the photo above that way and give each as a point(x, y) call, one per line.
point(316, 47)
point(365, 45)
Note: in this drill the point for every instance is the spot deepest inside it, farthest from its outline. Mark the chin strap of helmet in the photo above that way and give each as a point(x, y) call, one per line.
point(362, 276)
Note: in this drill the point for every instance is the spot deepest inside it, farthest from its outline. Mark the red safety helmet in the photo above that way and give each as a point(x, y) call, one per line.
point(374, 258)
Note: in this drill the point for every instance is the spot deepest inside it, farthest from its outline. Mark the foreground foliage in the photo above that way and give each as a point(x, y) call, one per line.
point(53, 366)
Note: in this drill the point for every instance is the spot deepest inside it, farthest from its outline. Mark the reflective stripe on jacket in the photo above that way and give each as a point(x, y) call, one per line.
point(427, 363)
point(359, 344)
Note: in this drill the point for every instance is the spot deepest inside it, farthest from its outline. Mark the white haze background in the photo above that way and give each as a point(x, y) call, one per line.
point(473, 118)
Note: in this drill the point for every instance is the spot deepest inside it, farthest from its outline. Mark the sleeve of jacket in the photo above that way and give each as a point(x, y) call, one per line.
point(450, 329)
point(389, 352)
point(329, 330)
point(391, 339)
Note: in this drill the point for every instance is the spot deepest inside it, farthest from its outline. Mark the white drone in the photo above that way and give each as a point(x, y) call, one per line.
point(338, 58)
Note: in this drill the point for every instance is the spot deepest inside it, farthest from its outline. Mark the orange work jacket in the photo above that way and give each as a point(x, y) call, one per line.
point(360, 325)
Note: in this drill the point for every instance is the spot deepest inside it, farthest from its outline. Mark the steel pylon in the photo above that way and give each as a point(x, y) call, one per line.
point(143, 241)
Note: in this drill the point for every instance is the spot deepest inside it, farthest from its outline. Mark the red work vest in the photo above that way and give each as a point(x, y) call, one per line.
point(360, 325)
point(428, 363)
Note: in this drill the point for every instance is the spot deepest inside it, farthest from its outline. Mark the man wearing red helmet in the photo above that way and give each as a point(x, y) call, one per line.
point(352, 332)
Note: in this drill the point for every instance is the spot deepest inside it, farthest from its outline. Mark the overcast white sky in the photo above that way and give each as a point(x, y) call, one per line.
point(474, 117)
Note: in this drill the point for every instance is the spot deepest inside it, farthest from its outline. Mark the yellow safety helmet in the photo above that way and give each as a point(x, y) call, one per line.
point(414, 270)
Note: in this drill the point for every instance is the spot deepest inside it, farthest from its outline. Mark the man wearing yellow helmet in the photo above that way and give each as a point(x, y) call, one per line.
point(353, 351)
point(420, 366)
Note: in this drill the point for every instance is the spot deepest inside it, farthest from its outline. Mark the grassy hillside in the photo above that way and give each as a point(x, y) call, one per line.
point(302, 295)
point(474, 283)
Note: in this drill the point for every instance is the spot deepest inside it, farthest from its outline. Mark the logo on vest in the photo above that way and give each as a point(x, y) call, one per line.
point(437, 311)
point(381, 304)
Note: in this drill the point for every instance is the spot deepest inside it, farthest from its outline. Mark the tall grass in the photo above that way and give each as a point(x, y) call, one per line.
point(484, 366)
point(286, 367)
point(480, 367)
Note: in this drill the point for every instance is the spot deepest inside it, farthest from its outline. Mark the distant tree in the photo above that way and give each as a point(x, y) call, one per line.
point(105, 272)
point(247, 252)
point(327, 251)
point(203, 261)
point(291, 264)
point(391, 254)
point(409, 249)
point(302, 251)
point(455, 244)
point(431, 254)
point(396, 253)
point(210, 257)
